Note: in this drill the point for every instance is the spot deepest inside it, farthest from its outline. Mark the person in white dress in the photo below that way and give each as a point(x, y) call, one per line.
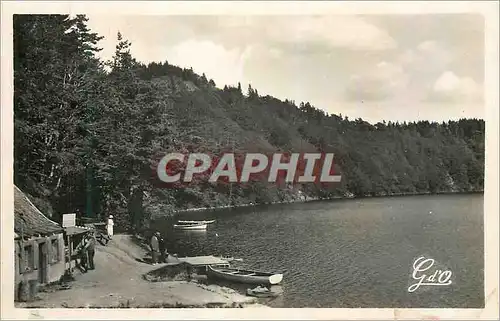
point(109, 226)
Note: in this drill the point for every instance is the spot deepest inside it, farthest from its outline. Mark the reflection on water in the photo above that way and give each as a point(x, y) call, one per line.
point(351, 253)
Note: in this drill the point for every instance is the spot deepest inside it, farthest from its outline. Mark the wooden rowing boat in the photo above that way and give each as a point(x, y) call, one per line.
point(261, 293)
point(197, 226)
point(244, 276)
point(230, 259)
point(196, 222)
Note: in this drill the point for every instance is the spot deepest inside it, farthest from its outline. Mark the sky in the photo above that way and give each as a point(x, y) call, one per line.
point(376, 67)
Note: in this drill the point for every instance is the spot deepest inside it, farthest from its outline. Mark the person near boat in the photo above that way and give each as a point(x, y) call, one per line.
point(155, 247)
point(90, 248)
point(86, 252)
point(109, 225)
point(163, 249)
point(82, 255)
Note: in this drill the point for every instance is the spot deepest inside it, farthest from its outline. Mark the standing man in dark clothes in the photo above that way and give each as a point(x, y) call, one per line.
point(91, 243)
point(155, 247)
point(163, 249)
point(83, 255)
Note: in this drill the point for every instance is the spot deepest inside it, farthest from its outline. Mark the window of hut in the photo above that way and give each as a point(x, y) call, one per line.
point(29, 258)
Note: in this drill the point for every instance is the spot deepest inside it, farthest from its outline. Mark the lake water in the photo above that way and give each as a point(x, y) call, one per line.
point(354, 253)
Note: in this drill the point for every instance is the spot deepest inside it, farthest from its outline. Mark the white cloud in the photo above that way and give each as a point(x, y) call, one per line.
point(435, 51)
point(381, 82)
point(427, 66)
point(333, 31)
point(447, 82)
point(222, 65)
point(275, 53)
point(407, 57)
point(416, 74)
point(428, 46)
point(450, 87)
point(428, 56)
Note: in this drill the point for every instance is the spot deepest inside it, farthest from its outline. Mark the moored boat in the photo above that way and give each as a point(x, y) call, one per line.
point(244, 276)
point(231, 259)
point(196, 222)
point(261, 292)
point(192, 226)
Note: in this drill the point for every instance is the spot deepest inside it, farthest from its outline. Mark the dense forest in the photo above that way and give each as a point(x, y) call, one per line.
point(88, 133)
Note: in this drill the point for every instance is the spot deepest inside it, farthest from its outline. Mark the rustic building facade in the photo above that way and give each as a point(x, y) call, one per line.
point(39, 244)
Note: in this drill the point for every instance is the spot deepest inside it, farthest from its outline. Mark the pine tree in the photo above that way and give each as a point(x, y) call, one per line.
point(56, 72)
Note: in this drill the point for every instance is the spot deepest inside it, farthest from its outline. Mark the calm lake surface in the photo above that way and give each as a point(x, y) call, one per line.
point(352, 253)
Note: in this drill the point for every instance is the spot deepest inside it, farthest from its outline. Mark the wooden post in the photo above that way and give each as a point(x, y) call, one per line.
point(70, 246)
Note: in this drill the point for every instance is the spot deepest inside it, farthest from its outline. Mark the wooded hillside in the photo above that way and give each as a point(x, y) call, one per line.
point(88, 133)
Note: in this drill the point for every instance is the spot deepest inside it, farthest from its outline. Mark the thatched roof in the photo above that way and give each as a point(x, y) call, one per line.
point(28, 220)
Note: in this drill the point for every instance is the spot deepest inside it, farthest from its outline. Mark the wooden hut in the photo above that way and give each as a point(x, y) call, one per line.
point(39, 244)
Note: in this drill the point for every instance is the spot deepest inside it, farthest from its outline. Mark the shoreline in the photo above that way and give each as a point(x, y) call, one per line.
point(315, 199)
point(120, 281)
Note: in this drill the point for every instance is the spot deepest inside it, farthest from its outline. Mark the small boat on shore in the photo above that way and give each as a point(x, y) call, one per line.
point(191, 226)
point(261, 292)
point(196, 222)
point(231, 259)
point(244, 276)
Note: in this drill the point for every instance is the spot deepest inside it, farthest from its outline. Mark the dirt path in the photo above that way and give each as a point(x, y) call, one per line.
point(118, 281)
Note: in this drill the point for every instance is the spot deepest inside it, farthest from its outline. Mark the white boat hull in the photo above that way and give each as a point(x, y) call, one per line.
point(241, 276)
point(190, 227)
point(196, 222)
